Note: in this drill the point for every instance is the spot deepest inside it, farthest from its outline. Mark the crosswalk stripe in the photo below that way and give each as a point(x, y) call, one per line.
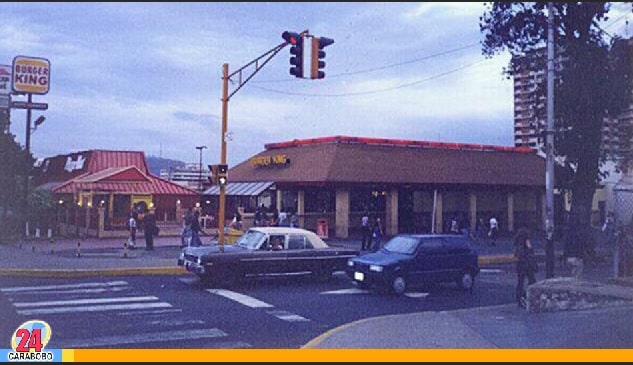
point(62, 286)
point(92, 308)
point(76, 291)
point(189, 334)
point(240, 298)
point(84, 301)
point(287, 316)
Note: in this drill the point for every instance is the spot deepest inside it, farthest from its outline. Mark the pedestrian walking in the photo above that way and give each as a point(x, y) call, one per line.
point(185, 236)
point(608, 228)
point(481, 228)
point(377, 233)
point(365, 231)
point(494, 230)
point(150, 229)
point(196, 230)
point(131, 224)
point(526, 265)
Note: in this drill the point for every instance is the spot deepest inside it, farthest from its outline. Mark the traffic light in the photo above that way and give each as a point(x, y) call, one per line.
point(296, 49)
point(213, 177)
point(223, 171)
point(317, 55)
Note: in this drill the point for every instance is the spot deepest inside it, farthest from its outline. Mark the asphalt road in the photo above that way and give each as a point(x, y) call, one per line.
point(166, 311)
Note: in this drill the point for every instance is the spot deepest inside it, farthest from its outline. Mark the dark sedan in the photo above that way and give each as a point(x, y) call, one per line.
point(409, 259)
point(266, 251)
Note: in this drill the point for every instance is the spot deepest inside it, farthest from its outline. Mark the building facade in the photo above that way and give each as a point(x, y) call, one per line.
point(413, 186)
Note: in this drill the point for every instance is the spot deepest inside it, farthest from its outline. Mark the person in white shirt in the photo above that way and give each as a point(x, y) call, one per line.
point(494, 230)
point(131, 242)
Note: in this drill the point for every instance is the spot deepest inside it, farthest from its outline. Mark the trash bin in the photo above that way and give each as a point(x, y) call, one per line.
point(322, 228)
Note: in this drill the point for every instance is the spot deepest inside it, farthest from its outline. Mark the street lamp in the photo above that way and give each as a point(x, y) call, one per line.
point(200, 148)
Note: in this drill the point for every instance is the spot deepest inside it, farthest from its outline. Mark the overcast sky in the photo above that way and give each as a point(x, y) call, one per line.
point(147, 76)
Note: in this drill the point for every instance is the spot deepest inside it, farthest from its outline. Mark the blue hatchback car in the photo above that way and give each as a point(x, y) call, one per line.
point(413, 259)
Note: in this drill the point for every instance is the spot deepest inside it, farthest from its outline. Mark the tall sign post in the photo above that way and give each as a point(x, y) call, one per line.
point(31, 75)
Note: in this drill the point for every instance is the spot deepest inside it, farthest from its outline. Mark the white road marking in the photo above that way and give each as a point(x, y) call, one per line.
point(347, 291)
point(84, 301)
point(287, 316)
point(240, 298)
point(189, 281)
point(149, 313)
point(93, 308)
point(416, 295)
point(77, 291)
point(64, 286)
point(144, 338)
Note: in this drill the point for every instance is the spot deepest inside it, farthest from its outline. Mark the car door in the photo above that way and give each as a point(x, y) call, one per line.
point(265, 260)
point(458, 256)
point(429, 261)
point(301, 257)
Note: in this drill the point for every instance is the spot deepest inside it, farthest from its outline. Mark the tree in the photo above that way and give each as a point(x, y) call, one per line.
point(14, 163)
point(593, 83)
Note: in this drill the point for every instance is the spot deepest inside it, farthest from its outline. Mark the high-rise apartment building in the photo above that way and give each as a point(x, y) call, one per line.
point(530, 118)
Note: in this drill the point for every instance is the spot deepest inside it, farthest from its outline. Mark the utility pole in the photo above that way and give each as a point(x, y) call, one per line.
point(200, 148)
point(226, 96)
point(549, 146)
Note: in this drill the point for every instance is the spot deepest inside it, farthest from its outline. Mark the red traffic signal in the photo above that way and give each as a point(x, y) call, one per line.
point(290, 37)
point(296, 50)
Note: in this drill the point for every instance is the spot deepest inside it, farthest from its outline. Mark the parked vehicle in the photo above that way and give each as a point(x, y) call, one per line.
point(413, 259)
point(300, 252)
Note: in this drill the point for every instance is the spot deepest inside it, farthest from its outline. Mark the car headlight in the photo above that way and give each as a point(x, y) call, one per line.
point(376, 268)
point(350, 263)
point(199, 260)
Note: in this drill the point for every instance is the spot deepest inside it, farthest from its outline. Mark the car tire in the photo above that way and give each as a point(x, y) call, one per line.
point(398, 284)
point(466, 281)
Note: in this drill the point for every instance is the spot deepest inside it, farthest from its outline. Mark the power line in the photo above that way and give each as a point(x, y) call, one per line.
point(370, 91)
point(383, 67)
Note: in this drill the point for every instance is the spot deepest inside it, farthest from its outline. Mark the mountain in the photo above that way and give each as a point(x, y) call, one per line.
point(155, 164)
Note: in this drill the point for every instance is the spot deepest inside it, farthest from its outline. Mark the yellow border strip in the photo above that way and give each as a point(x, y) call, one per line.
point(354, 355)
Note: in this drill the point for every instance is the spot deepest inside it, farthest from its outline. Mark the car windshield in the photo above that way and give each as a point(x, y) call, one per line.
point(399, 244)
point(250, 239)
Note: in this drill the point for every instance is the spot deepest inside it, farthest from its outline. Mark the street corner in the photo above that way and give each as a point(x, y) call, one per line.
point(571, 293)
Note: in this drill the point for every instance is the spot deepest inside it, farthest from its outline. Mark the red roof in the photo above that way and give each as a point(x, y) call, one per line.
point(123, 180)
point(106, 171)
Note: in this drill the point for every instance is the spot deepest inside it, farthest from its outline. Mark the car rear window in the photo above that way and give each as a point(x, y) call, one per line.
point(298, 242)
point(400, 244)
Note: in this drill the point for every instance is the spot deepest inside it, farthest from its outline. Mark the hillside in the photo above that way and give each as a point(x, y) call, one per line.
point(155, 164)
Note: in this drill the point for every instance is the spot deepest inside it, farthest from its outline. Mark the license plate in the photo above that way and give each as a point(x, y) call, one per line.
point(359, 276)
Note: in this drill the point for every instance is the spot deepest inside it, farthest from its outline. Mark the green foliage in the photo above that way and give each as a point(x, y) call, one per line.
point(14, 164)
point(593, 83)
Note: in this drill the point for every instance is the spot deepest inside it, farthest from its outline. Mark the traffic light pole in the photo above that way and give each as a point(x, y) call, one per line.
point(226, 96)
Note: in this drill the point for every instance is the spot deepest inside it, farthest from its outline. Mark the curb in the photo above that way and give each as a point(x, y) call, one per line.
point(79, 273)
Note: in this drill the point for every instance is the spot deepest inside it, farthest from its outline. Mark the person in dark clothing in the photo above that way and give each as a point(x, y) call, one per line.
point(526, 265)
point(149, 229)
point(377, 233)
point(365, 232)
point(196, 230)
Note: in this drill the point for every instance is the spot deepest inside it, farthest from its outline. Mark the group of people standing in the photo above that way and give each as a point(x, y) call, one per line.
point(279, 218)
point(150, 229)
point(371, 233)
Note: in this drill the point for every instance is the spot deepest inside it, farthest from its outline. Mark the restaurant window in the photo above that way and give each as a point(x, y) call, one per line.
point(320, 200)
